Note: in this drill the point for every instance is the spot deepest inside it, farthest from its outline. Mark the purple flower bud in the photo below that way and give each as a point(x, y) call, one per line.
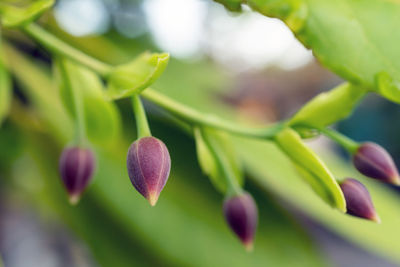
point(374, 161)
point(76, 169)
point(148, 165)
point(358, 200)
point(242, 216)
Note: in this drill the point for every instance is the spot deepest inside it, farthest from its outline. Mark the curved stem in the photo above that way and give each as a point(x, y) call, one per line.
point(61, 48)
point(142, 125)
point(184, 112)
point(80, 117)
point(78, 106)
point(347, 143)
point(193, 116)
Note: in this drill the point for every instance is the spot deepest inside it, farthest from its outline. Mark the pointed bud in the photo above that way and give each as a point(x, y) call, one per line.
point(242, 216)
point(76, 169)
point(148, 165)
point(375, 162)
point(358, 200)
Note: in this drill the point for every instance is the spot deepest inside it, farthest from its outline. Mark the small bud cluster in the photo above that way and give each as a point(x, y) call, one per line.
point(149, 163)
point(375, 162)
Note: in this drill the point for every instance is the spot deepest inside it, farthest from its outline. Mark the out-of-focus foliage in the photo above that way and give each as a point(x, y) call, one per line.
point(5, 88)
point(12, 16)
point(101, 117)
point(233, 5)
point(46, 102)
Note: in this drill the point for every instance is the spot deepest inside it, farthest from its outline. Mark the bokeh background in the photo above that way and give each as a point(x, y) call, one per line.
point(243, 67)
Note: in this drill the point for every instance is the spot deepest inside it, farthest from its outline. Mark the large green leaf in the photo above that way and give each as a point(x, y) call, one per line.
point(12, 16)
point(357, 39)
point(312, 168)
point(135, 76)
point(101, 117)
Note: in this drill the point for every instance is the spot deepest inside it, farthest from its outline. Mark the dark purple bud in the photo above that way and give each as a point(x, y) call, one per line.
point(76, 169)
point(358, 200)
point(242, 216)
point(148, 165)
point(375, 162)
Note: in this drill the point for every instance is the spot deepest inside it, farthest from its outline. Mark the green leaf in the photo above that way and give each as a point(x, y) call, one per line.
point(5, 89)
point(312, 168)
point(232, 5)
point(315, 183)
point(217, 158)
point(388, 87)
point(12, 16)
point(101, 116)
point(208, 162)
point(358, 40)
point(134, 77)
point(329, 107)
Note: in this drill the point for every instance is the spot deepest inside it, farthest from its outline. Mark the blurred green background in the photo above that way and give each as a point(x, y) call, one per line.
point(244, 67)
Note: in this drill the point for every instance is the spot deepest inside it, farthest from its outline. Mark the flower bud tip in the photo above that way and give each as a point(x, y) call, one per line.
point(376, 219)
point(74, 199)
point(395, 180)
point(249, 246)
point(153, 198)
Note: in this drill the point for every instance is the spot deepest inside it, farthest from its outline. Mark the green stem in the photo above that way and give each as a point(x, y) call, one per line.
point(80, 125)
point(347, 143)
point(61, 48)
point(142, 125)
point(80, 117)
point(233, 186)
point(184, 112)
point(195, 117)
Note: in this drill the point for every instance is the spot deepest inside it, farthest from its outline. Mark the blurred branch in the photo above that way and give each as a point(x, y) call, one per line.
point(191, 115)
